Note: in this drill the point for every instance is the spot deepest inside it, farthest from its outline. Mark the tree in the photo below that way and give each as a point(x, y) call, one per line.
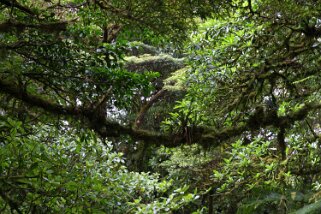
point(59, 55)
point(254, 86)
point(253, 68)
point(61, 73)
point(249, 94)
point(49, 170)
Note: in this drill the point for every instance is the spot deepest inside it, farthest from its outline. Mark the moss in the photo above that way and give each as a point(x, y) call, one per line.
point(148, 58)
point(139, 48)
point(164, 64)
point(176, 81)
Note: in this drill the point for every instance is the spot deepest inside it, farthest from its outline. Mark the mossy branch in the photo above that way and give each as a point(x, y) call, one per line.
point(205, 136)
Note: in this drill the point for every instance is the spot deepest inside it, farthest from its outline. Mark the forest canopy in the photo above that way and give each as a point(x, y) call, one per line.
point(123, 106)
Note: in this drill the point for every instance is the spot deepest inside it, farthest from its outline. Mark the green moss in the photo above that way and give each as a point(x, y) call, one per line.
point(164, 64)
point(176, 81)
point(138, 48)
point(148, 58)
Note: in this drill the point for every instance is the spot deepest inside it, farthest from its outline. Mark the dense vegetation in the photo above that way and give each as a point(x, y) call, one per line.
point(142, 106)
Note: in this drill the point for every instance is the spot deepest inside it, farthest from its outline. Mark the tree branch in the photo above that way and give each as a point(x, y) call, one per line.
point(14, 3)
point(146, 107)
point(48, 27)
point(13, 204)
point(205, 136)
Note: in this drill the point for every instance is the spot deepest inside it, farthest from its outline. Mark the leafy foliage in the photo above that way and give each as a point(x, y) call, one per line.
point(47, 170)
point(83, 81)
point(250, 75)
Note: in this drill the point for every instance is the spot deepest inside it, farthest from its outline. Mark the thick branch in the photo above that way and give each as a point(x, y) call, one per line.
point(36, 101)
point(146, 107)
point(103, 126)
point(281, 143)
point(111, 32)
point(47, 27)
point(23, 44)
point(15, 4)
point(206, 136)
